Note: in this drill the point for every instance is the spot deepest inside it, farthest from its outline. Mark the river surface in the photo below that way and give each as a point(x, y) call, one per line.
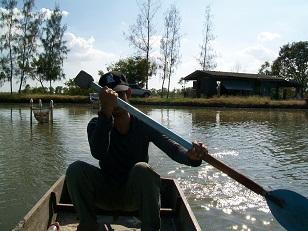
point(268, 146)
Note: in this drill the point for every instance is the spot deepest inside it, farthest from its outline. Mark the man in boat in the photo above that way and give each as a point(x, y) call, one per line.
point(124, 180)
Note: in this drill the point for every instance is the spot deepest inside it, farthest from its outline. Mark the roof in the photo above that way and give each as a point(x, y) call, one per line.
point(229, 75)
point(199, 74)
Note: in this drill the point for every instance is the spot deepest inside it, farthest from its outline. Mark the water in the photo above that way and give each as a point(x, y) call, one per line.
point(268, 146)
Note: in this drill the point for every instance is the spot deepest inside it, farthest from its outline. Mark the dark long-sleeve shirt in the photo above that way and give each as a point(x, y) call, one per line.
point(117, 153)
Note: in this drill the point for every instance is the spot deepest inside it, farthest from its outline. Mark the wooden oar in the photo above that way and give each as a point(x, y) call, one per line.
point(289, 208)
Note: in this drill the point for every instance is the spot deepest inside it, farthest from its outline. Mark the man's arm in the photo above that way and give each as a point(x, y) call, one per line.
point(175, 151)
point(99, 129)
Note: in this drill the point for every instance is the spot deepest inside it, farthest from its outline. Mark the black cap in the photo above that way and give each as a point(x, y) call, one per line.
point(114, 80)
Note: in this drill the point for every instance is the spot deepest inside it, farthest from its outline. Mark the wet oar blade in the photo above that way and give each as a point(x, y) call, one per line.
point(294, 215)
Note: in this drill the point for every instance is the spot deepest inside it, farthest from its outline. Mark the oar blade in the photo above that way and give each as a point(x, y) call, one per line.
point(294, 214)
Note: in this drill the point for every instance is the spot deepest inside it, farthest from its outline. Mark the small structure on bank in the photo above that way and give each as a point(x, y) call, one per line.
point(41, 114)
point(211, 83)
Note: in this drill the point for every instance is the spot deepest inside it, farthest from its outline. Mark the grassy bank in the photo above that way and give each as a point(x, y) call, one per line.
point(234, 101)
point(16, 98)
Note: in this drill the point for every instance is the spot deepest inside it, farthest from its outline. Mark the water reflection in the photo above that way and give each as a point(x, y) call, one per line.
point(268, 146)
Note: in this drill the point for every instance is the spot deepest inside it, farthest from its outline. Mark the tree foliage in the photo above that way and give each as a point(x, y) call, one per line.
point(29, 27)
point(140, 34)
point(169, 46)
point(292, 62)
point(73, 89)
point(134, 68)
point(8, 41)
point(207, 55)
point(50, 61)
point(21, 53)
point(266, 68)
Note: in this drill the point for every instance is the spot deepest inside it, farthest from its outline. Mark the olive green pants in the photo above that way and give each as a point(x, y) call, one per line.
point(88, 186)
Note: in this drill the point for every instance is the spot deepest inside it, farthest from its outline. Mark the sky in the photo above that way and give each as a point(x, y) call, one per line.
point(247, 33)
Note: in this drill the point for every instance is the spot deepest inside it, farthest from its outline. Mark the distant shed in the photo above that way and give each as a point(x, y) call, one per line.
point(211, 83)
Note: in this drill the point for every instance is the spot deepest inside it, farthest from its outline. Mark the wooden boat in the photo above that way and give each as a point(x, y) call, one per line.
point(55, 205)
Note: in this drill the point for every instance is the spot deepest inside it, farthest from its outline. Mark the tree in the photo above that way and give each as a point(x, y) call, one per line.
point(8, 41)
point(133, 68)
point(169, 45)
point(29, 27)
point(73, 89)
point(50, 61)
point(207, 56)
point(266, 68)
point(140, 34)
point(292, 63)
point(237, 68)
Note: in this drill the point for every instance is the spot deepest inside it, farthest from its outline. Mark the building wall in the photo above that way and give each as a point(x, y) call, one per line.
point(208, 87)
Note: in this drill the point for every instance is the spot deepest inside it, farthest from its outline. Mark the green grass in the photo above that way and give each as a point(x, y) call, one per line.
point(231, 101)
point(25, 98)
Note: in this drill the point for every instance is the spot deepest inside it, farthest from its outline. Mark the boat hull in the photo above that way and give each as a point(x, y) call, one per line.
point(56, 205)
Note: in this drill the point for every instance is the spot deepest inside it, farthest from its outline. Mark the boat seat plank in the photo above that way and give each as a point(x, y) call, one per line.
point(69, 222)
point(69, 208)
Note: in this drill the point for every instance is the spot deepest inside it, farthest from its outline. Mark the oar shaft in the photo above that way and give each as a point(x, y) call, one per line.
point(235, 175)
point(140, 115)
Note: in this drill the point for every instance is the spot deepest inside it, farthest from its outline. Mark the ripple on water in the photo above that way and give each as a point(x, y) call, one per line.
point(270, 147)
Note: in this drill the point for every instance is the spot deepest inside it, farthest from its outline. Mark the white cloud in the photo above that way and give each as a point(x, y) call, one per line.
point(267, 36)
point(248, 60)
point(259, 52)
point(65, 13)
point(48, 13)
point(6, 11)
point(84, 56)
point(82, 50)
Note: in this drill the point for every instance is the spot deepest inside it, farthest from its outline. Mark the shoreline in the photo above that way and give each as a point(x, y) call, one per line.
point(226, 102)
point(222, 105)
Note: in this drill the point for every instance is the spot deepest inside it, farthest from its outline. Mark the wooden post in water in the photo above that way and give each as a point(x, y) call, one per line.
point(51, 112)
point(31, 106)
point(41, 115)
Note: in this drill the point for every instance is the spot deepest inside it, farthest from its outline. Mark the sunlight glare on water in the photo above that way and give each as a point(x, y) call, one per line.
point(251, 142)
